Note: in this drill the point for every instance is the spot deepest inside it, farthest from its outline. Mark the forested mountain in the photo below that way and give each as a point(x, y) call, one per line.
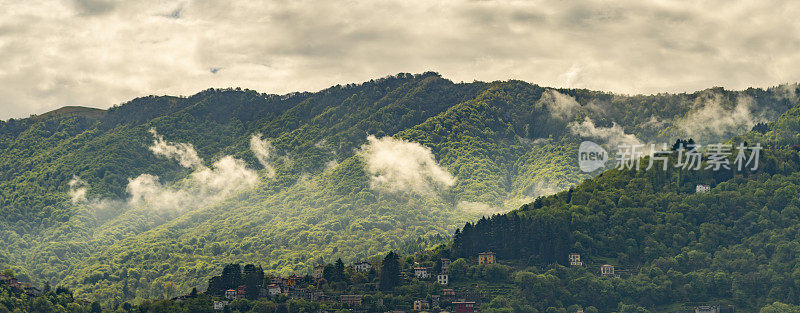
point(151, 197)
point(736, 244)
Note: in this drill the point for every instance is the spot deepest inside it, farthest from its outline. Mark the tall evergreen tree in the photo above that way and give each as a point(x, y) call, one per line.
point(390, 272)
point(340, 275)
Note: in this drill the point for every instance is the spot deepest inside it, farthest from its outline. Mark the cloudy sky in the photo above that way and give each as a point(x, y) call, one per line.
point(99, 53)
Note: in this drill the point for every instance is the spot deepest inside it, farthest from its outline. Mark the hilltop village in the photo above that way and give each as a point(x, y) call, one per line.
point(357, 287)
point(421, 284)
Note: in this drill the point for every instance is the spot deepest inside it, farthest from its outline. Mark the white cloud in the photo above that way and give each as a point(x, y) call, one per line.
point(203, 186)
point(261, 149)
point(613, 135)
point(225, 177)
point(711, 120)
point(77, 189)
point(98, 53)
point(184, 153)
point(400, 165)
point(560, 105)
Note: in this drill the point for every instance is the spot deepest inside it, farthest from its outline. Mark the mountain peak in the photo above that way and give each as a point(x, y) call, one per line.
point(70, 111)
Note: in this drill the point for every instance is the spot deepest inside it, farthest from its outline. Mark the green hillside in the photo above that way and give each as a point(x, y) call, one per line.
point(120, 207)
point(672, 247)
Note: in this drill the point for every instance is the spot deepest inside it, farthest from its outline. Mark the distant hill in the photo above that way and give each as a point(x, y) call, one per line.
point(72, 111)
point(151, 197)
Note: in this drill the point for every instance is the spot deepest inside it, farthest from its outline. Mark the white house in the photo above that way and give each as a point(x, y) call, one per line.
point(220, 305)
point(362, 266)
point(702, 189)
point(706, 309)
point(443, 279)
point(274, 290)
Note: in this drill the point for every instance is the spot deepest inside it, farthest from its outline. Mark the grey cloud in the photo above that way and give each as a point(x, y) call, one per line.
point(713, 119)
point(560, 105)
point(614, 135)
point(128, 49)
point(93, 7)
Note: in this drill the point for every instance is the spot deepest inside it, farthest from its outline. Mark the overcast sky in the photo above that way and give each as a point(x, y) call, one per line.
point(99, 53)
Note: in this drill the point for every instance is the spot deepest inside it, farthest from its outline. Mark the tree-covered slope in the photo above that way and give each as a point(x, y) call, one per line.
point(151, 197)
point(671, 246)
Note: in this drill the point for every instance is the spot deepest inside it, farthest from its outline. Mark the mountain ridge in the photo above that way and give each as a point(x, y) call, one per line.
point(505, 143)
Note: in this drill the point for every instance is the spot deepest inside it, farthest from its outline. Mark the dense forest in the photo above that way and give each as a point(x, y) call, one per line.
point(736, 244)
point(152, 197)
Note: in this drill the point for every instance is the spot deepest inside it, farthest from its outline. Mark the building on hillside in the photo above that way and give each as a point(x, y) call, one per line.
point(575, 259)
point(317, 273)
point(443, 279)
point(241, 292)
point(463, 307)
point(291, 282)
point(705, 309)
point(220, 305)
point(362, 266)
point(487, 258)
point(352, 300)
point(420, 305)
point(702, 188)
point(435, 301)
point(579, 310)
point(422, 272)
point(607, 270)
point(273, 290)
point(230, 294)
point(448, 292)
point(713, 309)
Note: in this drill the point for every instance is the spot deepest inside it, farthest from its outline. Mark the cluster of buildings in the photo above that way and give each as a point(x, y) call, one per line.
point(461, 302)
point(295, 287)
